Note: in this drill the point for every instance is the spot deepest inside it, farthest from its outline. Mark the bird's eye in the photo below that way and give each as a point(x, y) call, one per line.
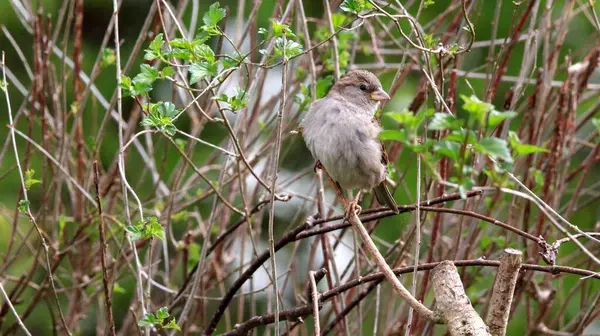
point(363, 87)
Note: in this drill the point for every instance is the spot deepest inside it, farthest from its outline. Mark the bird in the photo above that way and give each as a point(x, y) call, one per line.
point(341, 132)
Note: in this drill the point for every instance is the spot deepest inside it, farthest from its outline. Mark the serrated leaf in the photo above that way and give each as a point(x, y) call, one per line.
point(214, 14)
point(205, 53)
point(29, 180)
point(162, 313)
point(172, 324)
point(167, 109)
point(442, 121)
point(494, 147)
point(202, 70)
point(292, 48)
point(147, 75)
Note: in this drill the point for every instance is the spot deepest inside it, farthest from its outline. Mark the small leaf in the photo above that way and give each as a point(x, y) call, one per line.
point(214, 15)
point(23, 206)
point(147, 320)
point(476, 108)
point(167, 109)
point(202, 70)
point(406, 118)
point(108, 57)
point(292, 48)
point(460, 135)
point(162, 313)
point(280, 29)
point(167, 71)
point(147, 75)
point(134, 232)
point(396, 135)
point(523, 149)
point(494, 147)
point(172, 324)
point(448, 148)
point(355, 6)
point(118, 289)
point(29, 180)
point(205, 53)
point(496, 117)
point(442, 121)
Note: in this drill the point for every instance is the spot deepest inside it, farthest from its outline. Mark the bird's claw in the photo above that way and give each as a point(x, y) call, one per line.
point(352, 208)
point(318, 165)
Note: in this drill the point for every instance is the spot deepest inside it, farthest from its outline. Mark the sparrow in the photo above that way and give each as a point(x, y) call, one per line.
point(341, 132)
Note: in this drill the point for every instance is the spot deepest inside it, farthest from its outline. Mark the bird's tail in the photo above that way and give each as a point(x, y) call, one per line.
point(384, 197)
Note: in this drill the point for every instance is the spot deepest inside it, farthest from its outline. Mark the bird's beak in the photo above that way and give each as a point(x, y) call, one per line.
point(380, 95)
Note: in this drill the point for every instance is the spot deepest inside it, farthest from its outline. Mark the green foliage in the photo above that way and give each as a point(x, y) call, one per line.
point(355, 6)
point(149, 228)
point(495, 148)
point(236, 102)
point(160, 320)
point(29, 180)
point(212, 18)
point(108, 58)
point(444, 121)
point(521, 149)
point(23, 206)
point(161, 116)
point(201, 70)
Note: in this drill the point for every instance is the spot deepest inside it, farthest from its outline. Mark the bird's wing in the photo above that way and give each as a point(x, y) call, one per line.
point(384, 157)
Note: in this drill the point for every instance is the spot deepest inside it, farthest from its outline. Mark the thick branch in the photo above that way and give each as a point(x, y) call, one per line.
point(504, 287)
point(453, 304)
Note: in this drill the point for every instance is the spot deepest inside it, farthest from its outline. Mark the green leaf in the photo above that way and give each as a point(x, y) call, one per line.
point(153, 228)
point(280, 29)
point(355, 6)
point(442, 121)
point(494, 147)
point(292, 48)
point(496, 117)
point(476, 108)
point(167, 71)
point(205, 53)
point(154, 50)
point(596, 122)
point(396, 135)
point(521, 149)
point(134, 232)
point(172, 324)
point(157, 43)
point(214, 15)
point(29, 180)
point(323, 86)
point(460, 135)
point(108, 57)
point(23, 206)
point(162, 313)
point(167, 109)
point(62, 222)
point(147, 320)
point(202, 70)
point(405, 118)
point(448, 148)
point(118, 289)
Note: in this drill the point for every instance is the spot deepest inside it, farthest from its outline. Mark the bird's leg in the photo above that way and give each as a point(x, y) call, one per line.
point(353, 206)
point(318, 165)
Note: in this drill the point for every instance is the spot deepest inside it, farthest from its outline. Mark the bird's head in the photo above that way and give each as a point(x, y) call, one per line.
point(360, 87)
